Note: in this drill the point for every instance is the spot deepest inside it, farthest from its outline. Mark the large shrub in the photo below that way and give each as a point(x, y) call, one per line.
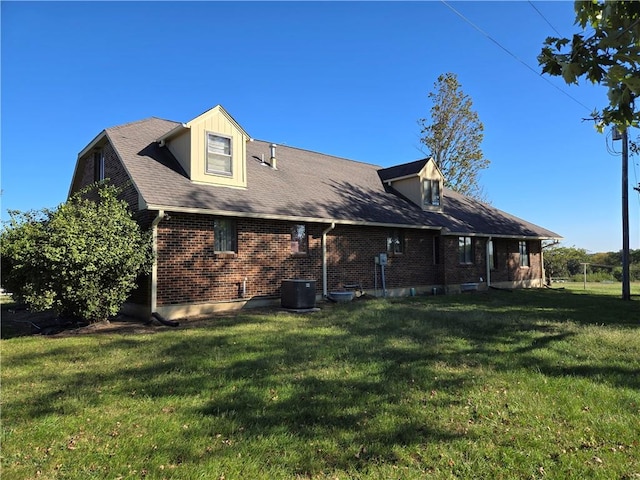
point(81, 259)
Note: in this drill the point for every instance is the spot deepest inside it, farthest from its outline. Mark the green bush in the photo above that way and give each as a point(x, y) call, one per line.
point(81, 259)
point(634, 272)
point(594, 277)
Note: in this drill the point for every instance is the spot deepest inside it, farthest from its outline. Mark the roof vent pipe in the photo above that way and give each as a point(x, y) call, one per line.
point(273, 156)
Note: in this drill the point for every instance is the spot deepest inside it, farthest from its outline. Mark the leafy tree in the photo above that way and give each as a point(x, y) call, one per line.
point(453, 136)
point(608, 55)
point(564, 261)
point(81, 259)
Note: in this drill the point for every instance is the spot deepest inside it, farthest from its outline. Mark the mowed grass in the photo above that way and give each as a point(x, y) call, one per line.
point(498, 385)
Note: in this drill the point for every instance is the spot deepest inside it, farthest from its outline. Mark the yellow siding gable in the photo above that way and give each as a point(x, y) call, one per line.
point(413, 187)
point(189, 146)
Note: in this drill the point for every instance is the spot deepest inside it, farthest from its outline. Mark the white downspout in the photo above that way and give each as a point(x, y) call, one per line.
point(154, 267)
point(488, 264)
point(544, 273)
point(324, 259)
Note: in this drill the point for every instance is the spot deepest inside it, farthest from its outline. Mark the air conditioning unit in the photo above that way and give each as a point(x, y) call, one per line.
point(298, 293)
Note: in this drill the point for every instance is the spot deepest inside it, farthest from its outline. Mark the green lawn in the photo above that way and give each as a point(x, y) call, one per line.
point(498, 385)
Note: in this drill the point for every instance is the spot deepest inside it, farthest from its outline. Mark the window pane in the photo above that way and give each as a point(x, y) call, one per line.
point(436, 250)
point(431, 192)
point(395, 241)
point(492, 261)
point(224, 233)
point(524, 254)
point(464, 249)
point(218, 163)
point(299, 239)
point(218, 144)
point(435, 188)
point(218, 154)
point(427, 192)
point(98, 166)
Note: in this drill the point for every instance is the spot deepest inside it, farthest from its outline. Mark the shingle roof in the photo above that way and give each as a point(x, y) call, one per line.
point(404, 170)
point(306, 186)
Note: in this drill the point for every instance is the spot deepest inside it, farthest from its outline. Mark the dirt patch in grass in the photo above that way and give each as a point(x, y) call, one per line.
point(18, 322)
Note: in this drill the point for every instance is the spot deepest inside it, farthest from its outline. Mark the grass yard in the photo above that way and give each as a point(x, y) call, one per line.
point(497, 385)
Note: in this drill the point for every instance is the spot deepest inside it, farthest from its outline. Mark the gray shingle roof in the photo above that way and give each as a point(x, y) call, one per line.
point(404, 170)
point(306, 186)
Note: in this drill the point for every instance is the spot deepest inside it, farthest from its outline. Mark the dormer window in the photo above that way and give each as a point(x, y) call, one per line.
point(431, 192)
point(219, 160)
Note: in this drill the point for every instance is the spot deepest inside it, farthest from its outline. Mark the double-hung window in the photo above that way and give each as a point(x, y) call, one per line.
point(395, 241)
point(465, 250)
point(523, 248)
point(299, 242)
point(219, 159)
point(431, 192)
point(224, 235)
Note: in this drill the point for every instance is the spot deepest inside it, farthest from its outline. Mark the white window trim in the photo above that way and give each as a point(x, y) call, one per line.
point(207, 171)
point(527, 255)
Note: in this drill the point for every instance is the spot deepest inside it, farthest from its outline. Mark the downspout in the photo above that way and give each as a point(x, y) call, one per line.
point(488, 264)
point(154, 267)
point(544, 273)
point(324, 259)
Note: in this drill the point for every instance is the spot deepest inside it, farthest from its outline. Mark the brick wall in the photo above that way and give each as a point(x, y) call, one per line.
point(507, 254)
point(455, 272)
point(190, 271)
point(351, 251)
point(114, 171)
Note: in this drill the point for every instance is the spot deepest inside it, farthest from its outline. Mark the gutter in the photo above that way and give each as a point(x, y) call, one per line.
point(154, 267)
point(288, 218)
point(324, 259)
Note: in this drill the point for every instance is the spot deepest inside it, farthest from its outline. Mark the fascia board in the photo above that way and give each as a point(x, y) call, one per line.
point(289, 218)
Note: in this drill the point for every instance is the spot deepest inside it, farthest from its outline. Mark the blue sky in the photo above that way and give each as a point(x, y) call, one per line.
point(347, 79)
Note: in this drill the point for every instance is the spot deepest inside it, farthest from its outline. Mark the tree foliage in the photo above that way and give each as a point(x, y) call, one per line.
point(566, 262)
point(453, 136)
point(81, 259)
point(608, 54)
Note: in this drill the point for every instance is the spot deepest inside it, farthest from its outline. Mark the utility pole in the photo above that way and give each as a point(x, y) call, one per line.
point(626, 287)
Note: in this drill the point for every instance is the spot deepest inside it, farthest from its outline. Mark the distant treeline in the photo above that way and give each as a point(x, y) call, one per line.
point(567, 263)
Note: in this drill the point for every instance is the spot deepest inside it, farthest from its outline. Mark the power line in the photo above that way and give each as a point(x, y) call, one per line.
point(544, 18)
point(511, 54)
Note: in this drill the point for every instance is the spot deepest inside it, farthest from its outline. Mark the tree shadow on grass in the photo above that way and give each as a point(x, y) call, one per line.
point(352, 377)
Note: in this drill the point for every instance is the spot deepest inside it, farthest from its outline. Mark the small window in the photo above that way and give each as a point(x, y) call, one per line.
point(436, 250)
point(299, 242)
point(224, 235)
point(395, 241)
point(98, 166)
point(465, 250)
point(524, 253)
point(219, 154)
point(493, 259)
point(431, 192)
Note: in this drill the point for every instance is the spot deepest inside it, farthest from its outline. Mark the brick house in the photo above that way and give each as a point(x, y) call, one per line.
point(232, 217)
